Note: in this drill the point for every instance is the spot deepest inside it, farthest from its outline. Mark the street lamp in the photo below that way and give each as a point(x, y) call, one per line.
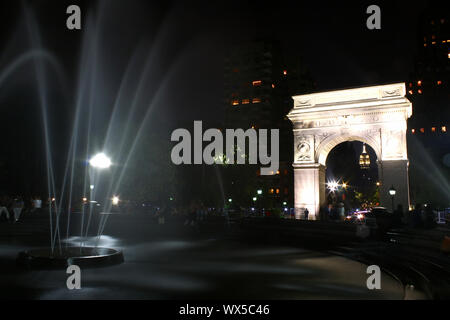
point(392, 192)
point(115, 200)
point(332, 185)
point(254, 199)
point(100, 161)
point(259, 192)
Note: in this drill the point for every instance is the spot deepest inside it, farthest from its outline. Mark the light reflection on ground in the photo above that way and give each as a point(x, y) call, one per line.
point(179, 269)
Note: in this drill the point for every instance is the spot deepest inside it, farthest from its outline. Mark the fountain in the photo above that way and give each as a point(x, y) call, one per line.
point(127, 120)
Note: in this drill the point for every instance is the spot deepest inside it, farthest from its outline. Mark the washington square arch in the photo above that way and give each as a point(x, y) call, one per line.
point(375, 115)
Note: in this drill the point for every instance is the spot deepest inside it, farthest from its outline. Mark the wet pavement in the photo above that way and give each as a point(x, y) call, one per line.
point(164, 262)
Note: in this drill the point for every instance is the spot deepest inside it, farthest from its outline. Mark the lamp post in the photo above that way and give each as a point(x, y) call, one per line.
point(99, 161)
point(259, 192)
point(392, 192)
point(115, 201)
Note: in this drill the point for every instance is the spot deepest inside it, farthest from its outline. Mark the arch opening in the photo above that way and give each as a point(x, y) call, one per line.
point(329, 144)
point(351, 182)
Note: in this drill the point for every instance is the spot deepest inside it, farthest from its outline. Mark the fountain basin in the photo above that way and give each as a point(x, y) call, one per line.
point(84, 257)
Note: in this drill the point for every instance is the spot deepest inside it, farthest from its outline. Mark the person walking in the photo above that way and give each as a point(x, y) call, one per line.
point(5, 210)
point(341, 211)
point(306, 213)
point(162, 215)
point(17, 208)
point(37, 204)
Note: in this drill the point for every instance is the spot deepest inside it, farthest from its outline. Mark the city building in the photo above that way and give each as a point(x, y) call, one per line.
point(428, 90)
point(259, 82)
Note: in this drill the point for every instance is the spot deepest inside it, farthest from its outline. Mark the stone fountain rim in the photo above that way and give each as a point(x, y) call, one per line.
point(31, 260)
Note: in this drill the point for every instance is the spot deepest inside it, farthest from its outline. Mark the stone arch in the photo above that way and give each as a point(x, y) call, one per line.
point(374, 115)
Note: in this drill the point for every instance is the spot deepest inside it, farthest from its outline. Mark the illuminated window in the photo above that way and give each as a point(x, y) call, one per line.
point(434, 42)
point(444, 129)
point(439, 82)
point(245, 101)
point(271, 191)
point(256, 83)
point(448, 55)
point(419, 83)
point(424, 44)
point(273, 86)
point(278, 191)
point(422, 130)
point(410, 92)
point(413, 131)
point(433, 37)
point(285, 72)
point(410, 84)
point(419, 91)
point(433, 129)
point(253, 127)
point(424, 38)
point(256, 100)
point(278, 171)
point(235, 102)
point(285, 172)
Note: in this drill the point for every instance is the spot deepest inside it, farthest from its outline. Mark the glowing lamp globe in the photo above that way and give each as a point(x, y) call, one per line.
point(392, 191)
point(100, 161)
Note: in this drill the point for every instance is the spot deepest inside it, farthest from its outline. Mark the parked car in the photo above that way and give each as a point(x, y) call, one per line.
point(379, 220)
point(358, 217)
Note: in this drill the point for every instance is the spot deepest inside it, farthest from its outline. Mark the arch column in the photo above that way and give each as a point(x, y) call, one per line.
point(309, 184)
point(394, 173)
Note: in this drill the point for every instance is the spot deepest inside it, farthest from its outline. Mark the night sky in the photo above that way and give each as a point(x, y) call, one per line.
point(186, 42)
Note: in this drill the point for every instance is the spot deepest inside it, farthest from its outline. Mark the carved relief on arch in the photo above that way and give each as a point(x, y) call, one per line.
point(393, 144)
point(320, 137)
point(304, 148)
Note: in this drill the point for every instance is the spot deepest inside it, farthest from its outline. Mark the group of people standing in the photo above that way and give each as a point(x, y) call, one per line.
point(191, 214)
point(334, 212)
point(12, 208)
